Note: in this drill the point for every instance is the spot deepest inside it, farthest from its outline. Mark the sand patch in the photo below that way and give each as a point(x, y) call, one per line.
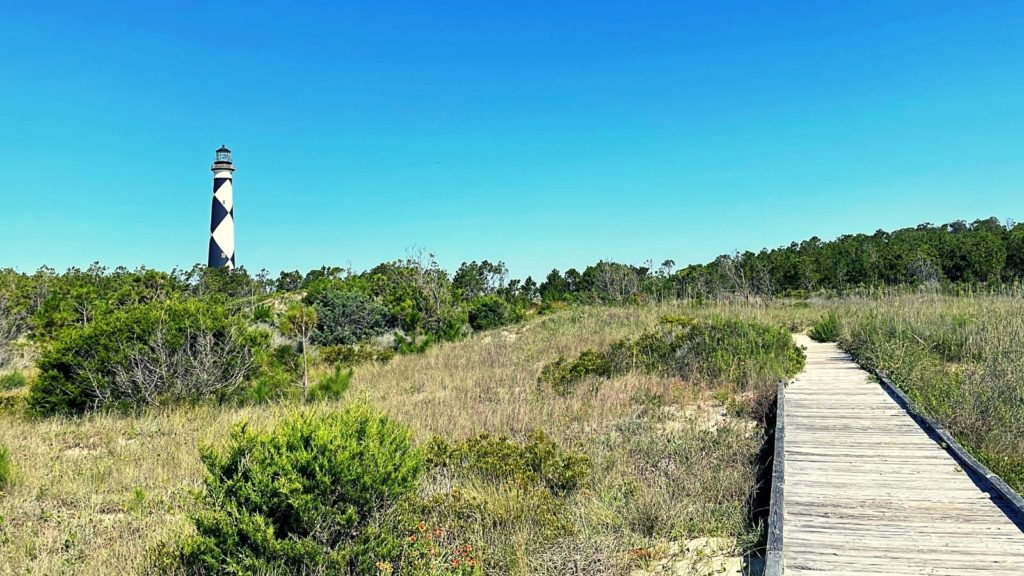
point(696, 557)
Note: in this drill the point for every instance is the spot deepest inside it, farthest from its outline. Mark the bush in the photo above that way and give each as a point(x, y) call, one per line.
point(345, 317)
point(413, 344)
point(722, 350)
point(563, 375)
point(6, 467)
point(314, 495)
point(489, 311)
point(278, 375)
point(13, 381)
point(353, 355)
point(146, 354)
point(263, 314)
point(826, 329)
point(453, 326)
point(513, 495)
point(332, 386)
point(748, 354)
point(538, 461)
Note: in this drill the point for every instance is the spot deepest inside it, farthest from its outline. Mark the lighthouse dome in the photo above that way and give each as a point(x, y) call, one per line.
point(223, 154)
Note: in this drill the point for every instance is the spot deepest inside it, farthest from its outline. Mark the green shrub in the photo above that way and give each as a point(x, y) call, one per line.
point(538, 461)
point(355, 354)
point(270, 386)
point(727, 350)
point(563, 375)
point(313, 495)
point(413, 344)
point(277, 377)
point(263, 313)
point(332, 386)
point(13, 381)
point(6, 467)
point(654, 350)
point(489, 311)
point(826, 329)
point(346, 317)
point(721, 350)
point(146, 354)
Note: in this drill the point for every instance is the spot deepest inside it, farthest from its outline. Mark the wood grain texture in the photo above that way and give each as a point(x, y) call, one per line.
point(773, 554)
point(869, 491)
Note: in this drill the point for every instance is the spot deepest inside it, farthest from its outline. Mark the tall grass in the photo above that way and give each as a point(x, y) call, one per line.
point(12, 381)
point(665, 466)
point(960, 359)
point(6, 468)
point(826, 329)
point(667, 462)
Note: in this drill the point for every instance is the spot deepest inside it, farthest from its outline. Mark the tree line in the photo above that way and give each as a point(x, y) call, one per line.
point(981, 252)
point(136, 337)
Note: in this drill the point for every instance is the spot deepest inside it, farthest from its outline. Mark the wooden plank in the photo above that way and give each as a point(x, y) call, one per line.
point(869, 489)
point(1004, 490)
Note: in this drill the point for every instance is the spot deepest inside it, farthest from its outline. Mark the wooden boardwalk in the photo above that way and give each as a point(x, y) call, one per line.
point(868, 491)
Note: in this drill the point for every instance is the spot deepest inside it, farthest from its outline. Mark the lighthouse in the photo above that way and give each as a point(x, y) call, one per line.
point(222, 217)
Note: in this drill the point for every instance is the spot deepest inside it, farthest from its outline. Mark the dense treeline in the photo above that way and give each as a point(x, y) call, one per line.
point(984, 251)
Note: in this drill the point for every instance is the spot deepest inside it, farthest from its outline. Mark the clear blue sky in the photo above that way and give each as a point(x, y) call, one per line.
point(545, 134)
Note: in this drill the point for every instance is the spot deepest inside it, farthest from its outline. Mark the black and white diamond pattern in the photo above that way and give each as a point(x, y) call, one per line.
point(222, 223)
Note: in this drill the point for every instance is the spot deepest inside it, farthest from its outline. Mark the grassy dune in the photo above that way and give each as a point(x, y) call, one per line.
point(669, 462)
point(673, 461)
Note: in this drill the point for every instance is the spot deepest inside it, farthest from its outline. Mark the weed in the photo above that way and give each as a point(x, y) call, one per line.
point(332, 386)
point(497, 459)
point(13, 381)
point(826, 329)
point(718, 350)
point(6, 467)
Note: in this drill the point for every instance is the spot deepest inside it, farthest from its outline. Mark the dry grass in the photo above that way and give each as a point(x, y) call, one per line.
point(489, 383)
point(660, 473)
point(92, 495)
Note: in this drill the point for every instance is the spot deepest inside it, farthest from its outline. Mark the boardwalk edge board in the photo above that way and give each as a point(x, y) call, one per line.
point(997, 484)
point(773, 553)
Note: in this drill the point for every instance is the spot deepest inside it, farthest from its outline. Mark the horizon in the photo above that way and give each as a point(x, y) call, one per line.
point(546, 137)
